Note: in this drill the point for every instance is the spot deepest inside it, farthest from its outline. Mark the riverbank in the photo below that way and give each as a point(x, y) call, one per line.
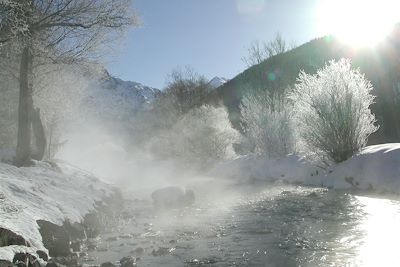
point(375, 167)
point(44, 198)
point(45, 208)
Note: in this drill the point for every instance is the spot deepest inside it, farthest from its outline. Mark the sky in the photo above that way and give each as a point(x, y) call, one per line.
point(211, 36)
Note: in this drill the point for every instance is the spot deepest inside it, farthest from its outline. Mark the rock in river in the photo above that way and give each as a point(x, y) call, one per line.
point(173, 197)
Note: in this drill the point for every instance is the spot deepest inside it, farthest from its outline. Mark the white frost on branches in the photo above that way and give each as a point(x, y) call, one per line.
point(203, 135)
point(267, 125)
point(332, 111)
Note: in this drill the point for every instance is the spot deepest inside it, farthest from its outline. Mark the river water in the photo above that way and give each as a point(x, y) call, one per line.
point(262, 225)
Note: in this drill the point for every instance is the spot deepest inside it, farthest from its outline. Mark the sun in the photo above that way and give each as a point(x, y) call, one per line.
point(359, 23)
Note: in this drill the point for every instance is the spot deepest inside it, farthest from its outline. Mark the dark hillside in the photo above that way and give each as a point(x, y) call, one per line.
point(380, 65)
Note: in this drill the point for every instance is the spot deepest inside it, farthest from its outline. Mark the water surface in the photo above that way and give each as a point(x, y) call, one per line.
point(263, 225)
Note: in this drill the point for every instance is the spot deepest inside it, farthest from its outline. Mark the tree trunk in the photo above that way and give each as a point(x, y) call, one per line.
point(40, 136)
point(25, 108)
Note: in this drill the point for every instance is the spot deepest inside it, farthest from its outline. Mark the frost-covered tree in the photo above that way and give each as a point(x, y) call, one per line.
point(60, 91)
point(267, 124)
point(202, 136)
point(332, 111)
point(54, 31)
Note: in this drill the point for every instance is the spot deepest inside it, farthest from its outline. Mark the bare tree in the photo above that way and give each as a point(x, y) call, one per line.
point(260, 51)
point(256, 54)
point(55, 31)
point(187, 89)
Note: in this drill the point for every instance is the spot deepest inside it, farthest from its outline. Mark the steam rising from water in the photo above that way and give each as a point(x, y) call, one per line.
point(97, 150)
point(136, 148)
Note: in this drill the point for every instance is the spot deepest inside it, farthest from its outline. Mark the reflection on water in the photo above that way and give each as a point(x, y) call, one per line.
point(381, 228)
point(281, 225)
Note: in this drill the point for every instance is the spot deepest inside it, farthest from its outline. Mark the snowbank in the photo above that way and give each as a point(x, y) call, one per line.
point(293, 169)
point(375, 167)
point(45, 193)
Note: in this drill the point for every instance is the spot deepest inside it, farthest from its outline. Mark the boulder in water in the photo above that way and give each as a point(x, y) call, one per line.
point(173, 197)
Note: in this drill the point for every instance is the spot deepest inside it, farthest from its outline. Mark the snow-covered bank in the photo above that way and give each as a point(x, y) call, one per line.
point(375, 167)
point(249, 168)
point(44, 192)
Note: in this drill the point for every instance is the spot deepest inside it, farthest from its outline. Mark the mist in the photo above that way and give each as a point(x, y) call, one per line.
point(135, 144)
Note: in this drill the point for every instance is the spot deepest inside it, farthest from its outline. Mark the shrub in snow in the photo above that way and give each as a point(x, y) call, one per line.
point(267, 124)
point(331, 111)
point(203, 135)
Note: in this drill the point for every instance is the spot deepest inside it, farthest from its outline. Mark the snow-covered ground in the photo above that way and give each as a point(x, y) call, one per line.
point(45, 193)
point(376, 167)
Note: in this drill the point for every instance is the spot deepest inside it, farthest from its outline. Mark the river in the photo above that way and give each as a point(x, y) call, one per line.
point(262, 225)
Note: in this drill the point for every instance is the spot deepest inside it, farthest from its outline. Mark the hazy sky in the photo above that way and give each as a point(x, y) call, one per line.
point(210, 35)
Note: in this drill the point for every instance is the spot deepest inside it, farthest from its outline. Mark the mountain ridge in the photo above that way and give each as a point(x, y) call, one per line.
point(380, 65)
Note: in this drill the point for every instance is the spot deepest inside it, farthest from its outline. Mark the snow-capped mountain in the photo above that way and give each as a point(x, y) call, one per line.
point(129, 90)
point(114, 99)
point(217, 82)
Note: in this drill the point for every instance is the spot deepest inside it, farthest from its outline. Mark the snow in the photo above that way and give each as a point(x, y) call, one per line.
point(112, 99)
point(245, 169)
point(42, 192)
point(217, 82)
point(376, 167)
point(7, 253)
point(132, 91)
point(113, 93)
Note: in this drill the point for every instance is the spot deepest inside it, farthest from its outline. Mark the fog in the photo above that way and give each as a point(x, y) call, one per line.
point(95, 149)
point(134, 145)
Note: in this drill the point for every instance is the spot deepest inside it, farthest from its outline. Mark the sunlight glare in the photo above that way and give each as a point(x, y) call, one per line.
point(358, 22)
point(382, 233)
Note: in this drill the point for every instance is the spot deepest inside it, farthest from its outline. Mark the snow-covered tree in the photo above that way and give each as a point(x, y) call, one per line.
point(54, 31)
point(267, 125)
point(332, 111)
point(202, 136)
point(60, 90)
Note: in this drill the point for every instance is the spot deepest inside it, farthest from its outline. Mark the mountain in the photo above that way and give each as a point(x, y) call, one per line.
point(217, 82)
point(381, 65)
point(131, 91)
point(113, 99)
